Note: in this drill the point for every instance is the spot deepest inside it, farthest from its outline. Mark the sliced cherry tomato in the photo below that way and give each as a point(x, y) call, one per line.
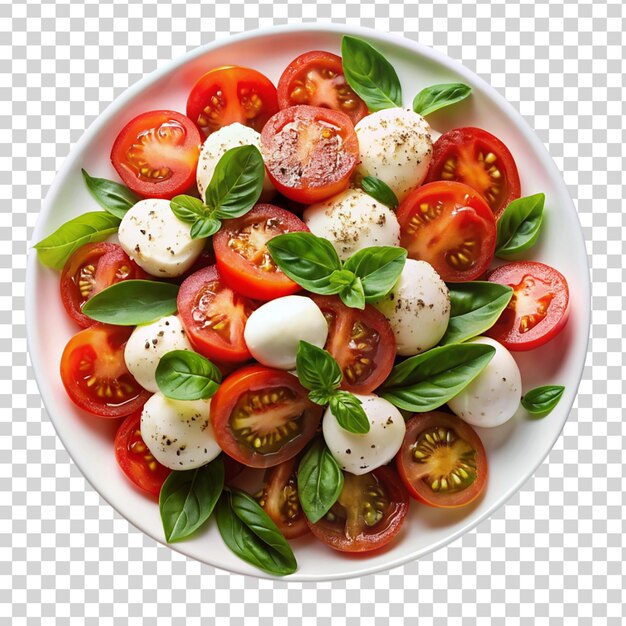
point(539, 308)
point(135, 459)
point(92, 268)
point(94, 373)
point(368, 514)
point(243, 259)
point(451, 226)
point(442, 461)
point(214, 316)
point(230, 94)
point(316, 78)
point(156, 154)
point(262, 416)
point(477, 158)
point(279, 499)
point(309, 152)
point(362, 342)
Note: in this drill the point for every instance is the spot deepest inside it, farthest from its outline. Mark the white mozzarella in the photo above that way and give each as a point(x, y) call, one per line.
point(178, 433)
point(275, 329)
point(157, 240)
point(216, 146)
point(148, 343)
point(395, 146)
point(362, 453)
point(417, 308)
point(353, 220)
point(493, 397)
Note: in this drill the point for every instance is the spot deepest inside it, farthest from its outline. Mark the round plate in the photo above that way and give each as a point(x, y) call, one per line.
point(514, 449)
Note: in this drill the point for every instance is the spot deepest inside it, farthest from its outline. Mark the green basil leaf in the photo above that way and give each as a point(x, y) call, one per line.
point(321, 396)
point(341, 279)
point(205, 227)
point(187, 208)
point(380, 191)
point(132, 302)
point(436, 97)
point(308, 260)
point(55, 249)
point(188, 498)
point(249, 532)
point(349, 412)
point(475, 307)
point(111, 196)
point(236, 183)
point(542, 399)
point(427, 381)
point(353, 295)
point(519, 226)
point(379, 269)
point(186, 375)
point(320, 481)
point(316, 368)
point(370, 75)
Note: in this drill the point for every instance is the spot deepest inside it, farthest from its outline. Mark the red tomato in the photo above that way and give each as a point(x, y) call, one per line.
point(309, 152)
point(214, 316)
point(262, 416)
point(230, 94)
point(442, 461)
point(135, 459)
point(94, 373)
point(477, 158)
point(362, 342)
point(368, 514)
point(316, 78)
point(539, 308)
point(450, 226)
point(92, 268)
point(156, 154)
point(243, 259)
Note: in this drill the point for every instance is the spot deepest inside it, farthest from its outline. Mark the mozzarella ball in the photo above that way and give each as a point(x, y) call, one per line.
point(275, 329)
point(353, 220)
point(417, 308)
point(362, 453)
point(148, 343)
point(395, 146)
point(157, 240)
point(493, 397)
point(178, 433)
point(216, 146)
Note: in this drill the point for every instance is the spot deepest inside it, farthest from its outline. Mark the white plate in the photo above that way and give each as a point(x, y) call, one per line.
point(514, 450)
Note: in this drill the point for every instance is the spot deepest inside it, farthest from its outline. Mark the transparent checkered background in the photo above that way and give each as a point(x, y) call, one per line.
point(553, 555)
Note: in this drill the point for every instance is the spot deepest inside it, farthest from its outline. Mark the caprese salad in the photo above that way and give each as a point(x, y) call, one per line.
point(303, 286)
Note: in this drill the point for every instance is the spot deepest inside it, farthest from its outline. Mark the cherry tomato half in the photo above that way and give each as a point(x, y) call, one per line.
point(156, 154)
point(539, 308)
point(262, 416)
point(451, 226)
point(309, 152)
point(477, 158)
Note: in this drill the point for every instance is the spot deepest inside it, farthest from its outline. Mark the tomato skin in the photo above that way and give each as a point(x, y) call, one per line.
point(316, 78)
point(530, 281)
point(234, 243)
point(162, 141)
point(456, 217)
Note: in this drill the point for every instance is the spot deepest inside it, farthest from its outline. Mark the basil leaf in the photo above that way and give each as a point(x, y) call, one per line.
point(316, 368)
point(427, 381)
point(519, 226)
point(436, 97)
point(475, 307)
point(186, 375)
point(370, 75)
point(320, 481)
point(341, 279)
point(132, 302)
point(542, 399)
point(353, 295)
point(380, 191)
point(308, 260)
point(379, 269)
point(249, 532)
point(112, 196)
point(187, 208)
point(205, 227)
point(321, 396)
point(188, 498)
point(349, 412)
point(55, 249)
